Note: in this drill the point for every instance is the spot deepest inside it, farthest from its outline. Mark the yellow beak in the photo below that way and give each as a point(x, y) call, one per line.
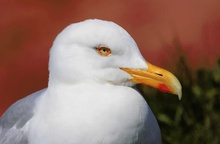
point(156, 77)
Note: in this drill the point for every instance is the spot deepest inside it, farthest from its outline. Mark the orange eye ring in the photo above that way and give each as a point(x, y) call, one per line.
point(103, 51)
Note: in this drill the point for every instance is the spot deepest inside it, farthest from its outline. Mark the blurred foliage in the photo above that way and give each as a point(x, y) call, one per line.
point(195, 119)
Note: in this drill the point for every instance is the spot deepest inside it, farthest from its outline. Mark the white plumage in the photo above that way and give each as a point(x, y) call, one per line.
point(89, 99)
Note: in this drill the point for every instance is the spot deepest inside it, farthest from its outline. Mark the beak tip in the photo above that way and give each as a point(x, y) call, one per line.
point(179, 95)
point(179, 90)
point(177, 87)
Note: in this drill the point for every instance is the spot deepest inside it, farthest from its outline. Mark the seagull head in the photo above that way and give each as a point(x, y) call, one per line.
point(103, 52)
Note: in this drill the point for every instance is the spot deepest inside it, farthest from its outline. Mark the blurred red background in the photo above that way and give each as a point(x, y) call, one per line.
point(28, 28)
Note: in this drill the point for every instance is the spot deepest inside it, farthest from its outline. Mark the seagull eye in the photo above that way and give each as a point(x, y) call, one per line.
point(103, 51)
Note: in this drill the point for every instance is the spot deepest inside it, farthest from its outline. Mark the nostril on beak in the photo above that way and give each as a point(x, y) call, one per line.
point(159, 74)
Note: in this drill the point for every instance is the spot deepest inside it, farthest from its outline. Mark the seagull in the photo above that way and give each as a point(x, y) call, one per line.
point(90, 98)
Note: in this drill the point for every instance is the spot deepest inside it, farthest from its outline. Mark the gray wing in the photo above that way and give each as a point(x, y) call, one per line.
point(14, 122)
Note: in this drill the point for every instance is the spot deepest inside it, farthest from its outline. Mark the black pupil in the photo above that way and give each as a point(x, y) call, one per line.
point(104, 50)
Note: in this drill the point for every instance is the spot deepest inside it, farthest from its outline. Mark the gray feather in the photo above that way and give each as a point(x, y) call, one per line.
point(14, 122)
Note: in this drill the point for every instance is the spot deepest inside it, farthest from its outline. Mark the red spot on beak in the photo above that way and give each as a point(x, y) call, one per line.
point(163, 88)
